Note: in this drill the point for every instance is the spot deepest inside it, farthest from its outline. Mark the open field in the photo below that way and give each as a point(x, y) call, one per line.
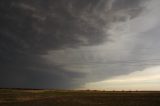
point(20, 97)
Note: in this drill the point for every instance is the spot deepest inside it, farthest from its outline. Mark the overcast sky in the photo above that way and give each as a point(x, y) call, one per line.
point(80, 44)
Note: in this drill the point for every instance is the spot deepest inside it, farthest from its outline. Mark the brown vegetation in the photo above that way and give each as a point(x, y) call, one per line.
point(20, 97)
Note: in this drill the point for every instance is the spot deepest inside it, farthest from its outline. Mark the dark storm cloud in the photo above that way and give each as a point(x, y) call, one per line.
point(40, 77)
point(48, 24)
point(31, 28)
point(32, 72)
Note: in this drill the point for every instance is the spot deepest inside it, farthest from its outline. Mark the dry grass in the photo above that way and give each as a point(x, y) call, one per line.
point(13, 97)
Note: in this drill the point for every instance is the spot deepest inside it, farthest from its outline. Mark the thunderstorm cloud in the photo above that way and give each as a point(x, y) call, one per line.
point(69, 43)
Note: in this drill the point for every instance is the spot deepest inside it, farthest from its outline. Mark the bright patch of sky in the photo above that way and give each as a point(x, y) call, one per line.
point(148, 79)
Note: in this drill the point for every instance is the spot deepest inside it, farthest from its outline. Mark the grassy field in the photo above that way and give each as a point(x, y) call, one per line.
point(20, 97)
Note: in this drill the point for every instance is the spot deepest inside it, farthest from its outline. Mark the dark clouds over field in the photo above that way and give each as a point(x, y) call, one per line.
point(66, 43)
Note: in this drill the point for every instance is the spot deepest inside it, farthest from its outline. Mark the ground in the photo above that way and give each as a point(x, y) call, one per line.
point(21, 97)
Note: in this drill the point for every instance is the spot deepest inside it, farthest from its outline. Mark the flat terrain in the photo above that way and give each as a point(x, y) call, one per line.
point(20, 97)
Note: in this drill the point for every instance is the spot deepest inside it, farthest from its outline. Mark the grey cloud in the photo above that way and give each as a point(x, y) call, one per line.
point(30, 29)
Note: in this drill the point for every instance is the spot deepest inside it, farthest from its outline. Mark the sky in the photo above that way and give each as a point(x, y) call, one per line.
point(80, 44)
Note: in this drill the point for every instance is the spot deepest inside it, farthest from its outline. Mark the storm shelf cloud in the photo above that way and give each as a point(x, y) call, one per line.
point(67, 44)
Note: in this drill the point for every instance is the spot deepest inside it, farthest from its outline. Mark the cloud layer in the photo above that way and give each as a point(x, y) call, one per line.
point(67, 43)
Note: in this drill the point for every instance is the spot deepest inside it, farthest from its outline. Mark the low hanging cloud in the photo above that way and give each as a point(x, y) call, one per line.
point(60, 43)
